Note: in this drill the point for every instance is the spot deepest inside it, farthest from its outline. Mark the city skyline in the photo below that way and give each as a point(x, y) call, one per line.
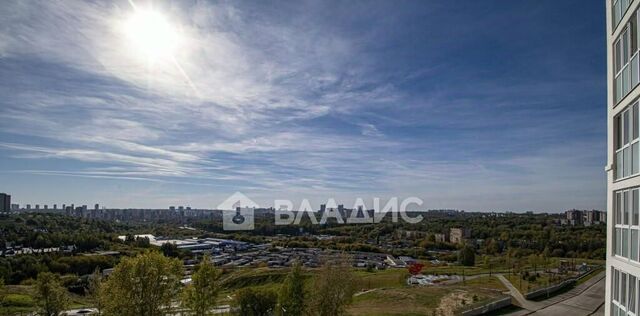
point(482, 106)
point(368, 205)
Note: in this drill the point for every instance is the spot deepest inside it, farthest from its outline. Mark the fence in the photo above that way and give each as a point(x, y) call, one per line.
point(488, 307)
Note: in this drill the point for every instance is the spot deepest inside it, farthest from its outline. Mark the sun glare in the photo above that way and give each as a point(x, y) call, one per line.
point(152, 35)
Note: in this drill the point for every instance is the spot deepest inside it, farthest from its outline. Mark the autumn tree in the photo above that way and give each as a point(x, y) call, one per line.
point(291, 297)
point(201, 294)
point(52, 296)
point(416, 268)
point(142, 285)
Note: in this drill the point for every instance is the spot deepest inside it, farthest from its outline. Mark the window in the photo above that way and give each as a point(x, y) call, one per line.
point(627, 142)
point(626, 61)
point(634, 158)
point(625, 243)
point(626, 233)
point(618, 207)
point(617, 12)
point(634, 208)
point(634, 245)
point(616, 286)
point(625, 207)
point(623, 289)
point(632, 294)
point(618, 241)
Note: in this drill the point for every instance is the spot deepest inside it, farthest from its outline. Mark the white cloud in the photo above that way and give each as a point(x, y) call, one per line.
point(289, 105)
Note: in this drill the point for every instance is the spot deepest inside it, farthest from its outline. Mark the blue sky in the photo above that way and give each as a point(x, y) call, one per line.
point(475, 105)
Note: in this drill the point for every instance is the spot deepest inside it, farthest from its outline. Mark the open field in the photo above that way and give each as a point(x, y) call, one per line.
point(381, 292)
point(426, 300)
point(17, 299)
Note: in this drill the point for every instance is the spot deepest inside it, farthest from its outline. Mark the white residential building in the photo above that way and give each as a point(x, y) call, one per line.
point(623, 158)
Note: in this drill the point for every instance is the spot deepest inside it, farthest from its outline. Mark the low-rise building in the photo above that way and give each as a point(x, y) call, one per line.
point(441, 237)
point(459, 234)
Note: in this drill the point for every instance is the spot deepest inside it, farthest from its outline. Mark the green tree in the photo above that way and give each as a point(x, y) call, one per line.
point(170, 250)
point(256, 302)
point(94, 288)
point(333, 289)
point(201, 294)
point(1, 289)
point(467, 256)
point(291, 296)
point(142, 285)
point(52, 296)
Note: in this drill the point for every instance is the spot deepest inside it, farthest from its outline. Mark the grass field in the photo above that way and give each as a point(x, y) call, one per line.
point(18, 299)
point(382, 292)
point(525, 286)
point(426, 300)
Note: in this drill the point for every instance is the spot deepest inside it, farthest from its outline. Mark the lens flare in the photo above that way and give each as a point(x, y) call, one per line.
point(152, 35)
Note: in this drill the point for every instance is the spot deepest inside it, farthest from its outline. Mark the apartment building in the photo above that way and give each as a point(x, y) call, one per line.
point(458, 235)
point(5, 202)
point(623, 158)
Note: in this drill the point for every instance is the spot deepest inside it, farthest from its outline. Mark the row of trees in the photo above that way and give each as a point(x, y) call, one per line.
point(526, 233)
point(149, 284)
point(17, 269)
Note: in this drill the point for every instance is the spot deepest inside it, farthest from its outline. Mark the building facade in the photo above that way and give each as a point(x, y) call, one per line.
point(575, 217)
point(5, 202)
point(623, 158)
point(458, 235)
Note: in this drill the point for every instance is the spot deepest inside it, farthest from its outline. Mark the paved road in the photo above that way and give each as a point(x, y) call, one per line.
point(584, 299)
point(586, 303)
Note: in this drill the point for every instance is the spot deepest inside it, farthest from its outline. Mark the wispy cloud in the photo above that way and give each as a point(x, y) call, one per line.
point(310, 99)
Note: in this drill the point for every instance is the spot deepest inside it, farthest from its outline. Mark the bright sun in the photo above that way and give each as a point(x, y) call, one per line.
point(152, 35)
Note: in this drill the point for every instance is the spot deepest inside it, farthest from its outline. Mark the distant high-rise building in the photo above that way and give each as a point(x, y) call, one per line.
point(37, 206)
point(28, 207)
point(97, 207)
point(622, 296)
point(55, 206)
point(575, 217)
point(15, 207)
point(5, 202)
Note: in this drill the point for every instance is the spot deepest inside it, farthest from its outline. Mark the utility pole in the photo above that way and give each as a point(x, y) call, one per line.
point(520, 277)
point(464, 278)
